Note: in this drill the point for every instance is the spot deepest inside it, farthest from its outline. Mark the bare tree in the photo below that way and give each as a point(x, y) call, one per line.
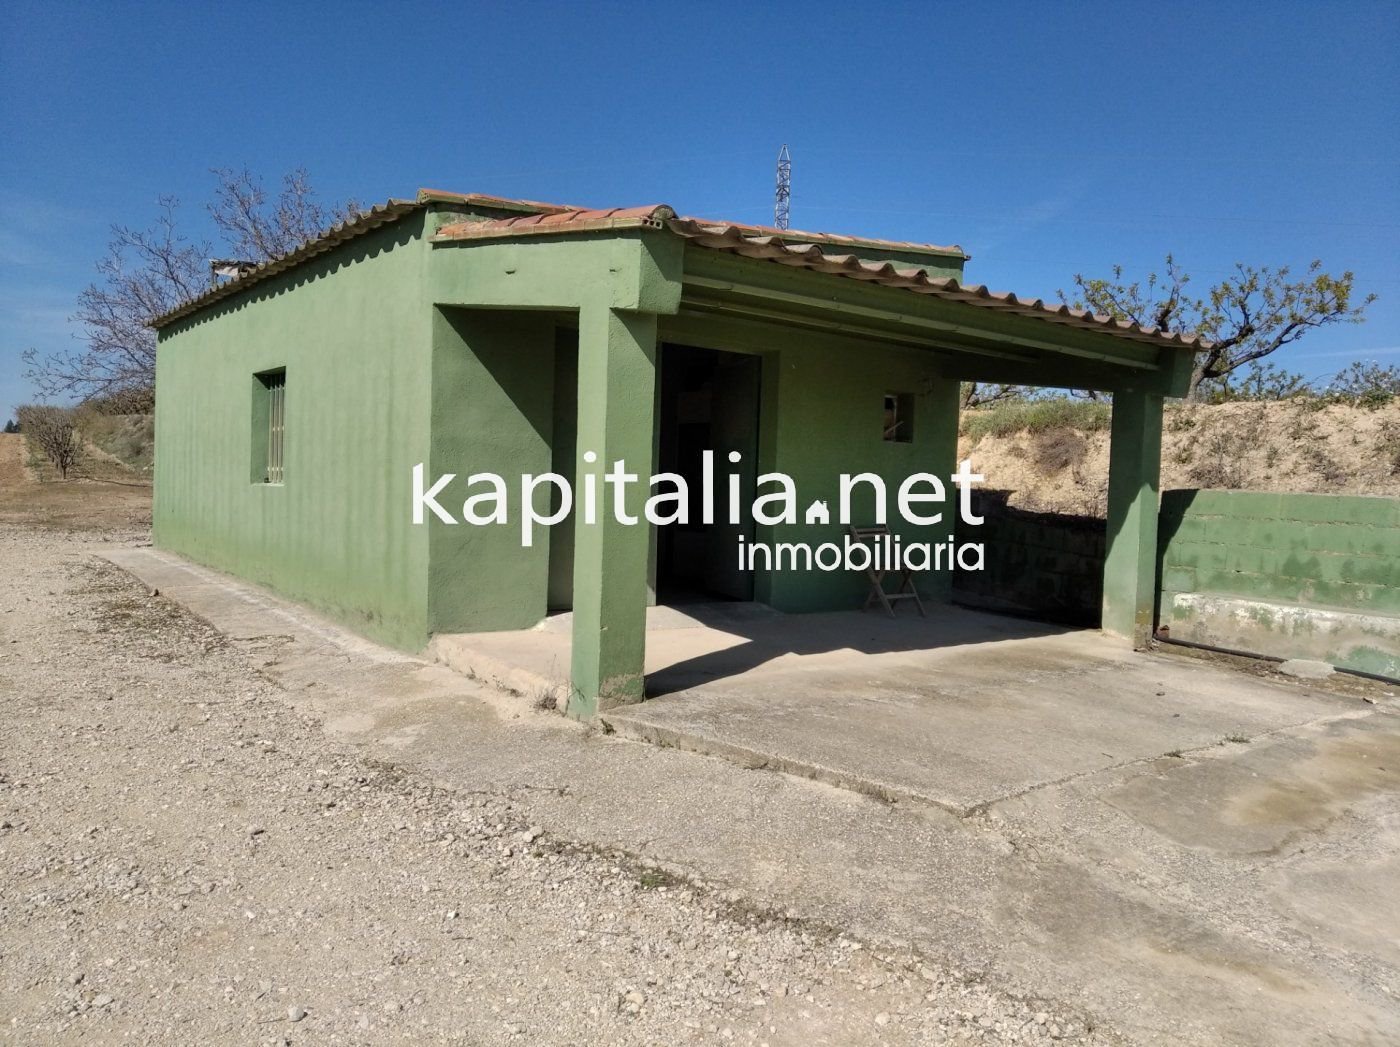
point(257, 228)
point(54, 432)
point(1248, 315)
point(144, 273)
point(148, 272)
point(124, 401)
point(982, 394)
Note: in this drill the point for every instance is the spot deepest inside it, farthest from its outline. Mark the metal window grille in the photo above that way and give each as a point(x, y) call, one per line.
point(276, 401)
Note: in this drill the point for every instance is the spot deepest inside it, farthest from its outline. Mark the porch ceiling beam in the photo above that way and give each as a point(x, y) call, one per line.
point(1064, 374)
point(919, 323)
point(889, 335)
point(726, 332)
point(766, 280)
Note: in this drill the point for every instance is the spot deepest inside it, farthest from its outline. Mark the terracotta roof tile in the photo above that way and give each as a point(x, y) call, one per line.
point(803, 236)
point(736, 239)
point(784, 247)
point(576, 220)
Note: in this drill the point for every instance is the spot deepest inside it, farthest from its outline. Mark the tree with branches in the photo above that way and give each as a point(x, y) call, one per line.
point(53, 432)
point(984, 394)
point(1247, 316)
point(257, 227)
point(147, 272)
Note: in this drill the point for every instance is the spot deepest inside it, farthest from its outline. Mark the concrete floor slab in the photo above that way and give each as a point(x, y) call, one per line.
point(958, 710)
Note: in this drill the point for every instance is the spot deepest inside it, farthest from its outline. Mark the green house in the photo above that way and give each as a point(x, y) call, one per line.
point(468, 334)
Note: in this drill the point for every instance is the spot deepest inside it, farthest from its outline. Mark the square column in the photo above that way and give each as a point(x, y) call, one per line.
point(616, 411)
point(942, 404)
point(1134, 477)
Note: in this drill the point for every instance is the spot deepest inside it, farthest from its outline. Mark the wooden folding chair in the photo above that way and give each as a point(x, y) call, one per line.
point(875, 536)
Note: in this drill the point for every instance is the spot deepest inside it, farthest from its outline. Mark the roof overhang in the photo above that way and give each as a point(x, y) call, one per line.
point(364, 222)
point(727, 296)
point(734, 240)
point(819, 282)
point(358, 225)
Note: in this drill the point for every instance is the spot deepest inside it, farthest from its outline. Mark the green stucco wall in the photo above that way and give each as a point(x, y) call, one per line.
point(1288, 575)
point(492, 412)
point(352, 327)
point(822, 414)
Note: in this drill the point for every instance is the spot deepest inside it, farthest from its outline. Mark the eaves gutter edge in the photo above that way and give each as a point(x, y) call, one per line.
point(381, 215)
point(518, 232)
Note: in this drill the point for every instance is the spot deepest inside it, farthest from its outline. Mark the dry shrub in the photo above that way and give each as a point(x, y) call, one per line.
point(1389, 441)
point(1219, 464)
point(1326, 467)
point(1035, 416)
point(1058, 449)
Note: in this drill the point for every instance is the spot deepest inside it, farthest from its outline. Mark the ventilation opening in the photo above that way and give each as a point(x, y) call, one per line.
point(899, 418)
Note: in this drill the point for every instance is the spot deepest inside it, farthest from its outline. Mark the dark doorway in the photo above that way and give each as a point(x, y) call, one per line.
point(709, 402)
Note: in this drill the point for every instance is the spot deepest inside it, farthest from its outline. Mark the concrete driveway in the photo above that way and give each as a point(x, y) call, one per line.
point(1190, 854)
point(958, 709)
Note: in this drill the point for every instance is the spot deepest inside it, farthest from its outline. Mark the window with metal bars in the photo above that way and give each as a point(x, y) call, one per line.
point(269, 426)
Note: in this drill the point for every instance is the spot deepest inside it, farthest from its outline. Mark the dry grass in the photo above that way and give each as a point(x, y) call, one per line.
point(1297, 446)
point(1035, 416)
point(128, 438)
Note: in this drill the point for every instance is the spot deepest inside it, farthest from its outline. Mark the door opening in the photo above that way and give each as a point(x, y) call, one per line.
point(709, 401)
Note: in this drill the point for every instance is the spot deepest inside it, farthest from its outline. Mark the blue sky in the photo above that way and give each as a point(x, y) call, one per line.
point(1045, 139)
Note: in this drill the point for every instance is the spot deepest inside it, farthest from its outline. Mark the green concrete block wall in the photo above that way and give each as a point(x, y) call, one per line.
point(353, 330)
point(1044, 565)
point(1222, 552)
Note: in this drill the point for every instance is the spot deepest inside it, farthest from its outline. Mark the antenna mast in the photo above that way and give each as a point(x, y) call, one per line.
point(783, 196)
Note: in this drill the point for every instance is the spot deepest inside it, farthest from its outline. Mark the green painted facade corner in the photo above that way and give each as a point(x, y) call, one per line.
point(492, 412)
point(352, 329)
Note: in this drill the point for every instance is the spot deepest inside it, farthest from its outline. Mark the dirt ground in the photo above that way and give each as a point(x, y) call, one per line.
point(115, 497)
point(186, 858)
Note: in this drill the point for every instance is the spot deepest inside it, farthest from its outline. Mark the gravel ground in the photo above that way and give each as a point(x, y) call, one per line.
point(186, 859)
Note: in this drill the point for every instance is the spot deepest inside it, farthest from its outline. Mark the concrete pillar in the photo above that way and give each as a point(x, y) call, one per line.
point(942, 402)
point(1134, 468)
point(616, 398)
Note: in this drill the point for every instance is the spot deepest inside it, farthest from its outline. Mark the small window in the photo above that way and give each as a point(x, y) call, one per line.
point(269, 416)
point(899, 418)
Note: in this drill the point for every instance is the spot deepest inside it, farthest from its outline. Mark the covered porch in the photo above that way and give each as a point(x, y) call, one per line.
point(565, 321)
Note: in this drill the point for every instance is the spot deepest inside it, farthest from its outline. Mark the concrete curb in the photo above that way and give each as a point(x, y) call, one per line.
point(625, 726)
